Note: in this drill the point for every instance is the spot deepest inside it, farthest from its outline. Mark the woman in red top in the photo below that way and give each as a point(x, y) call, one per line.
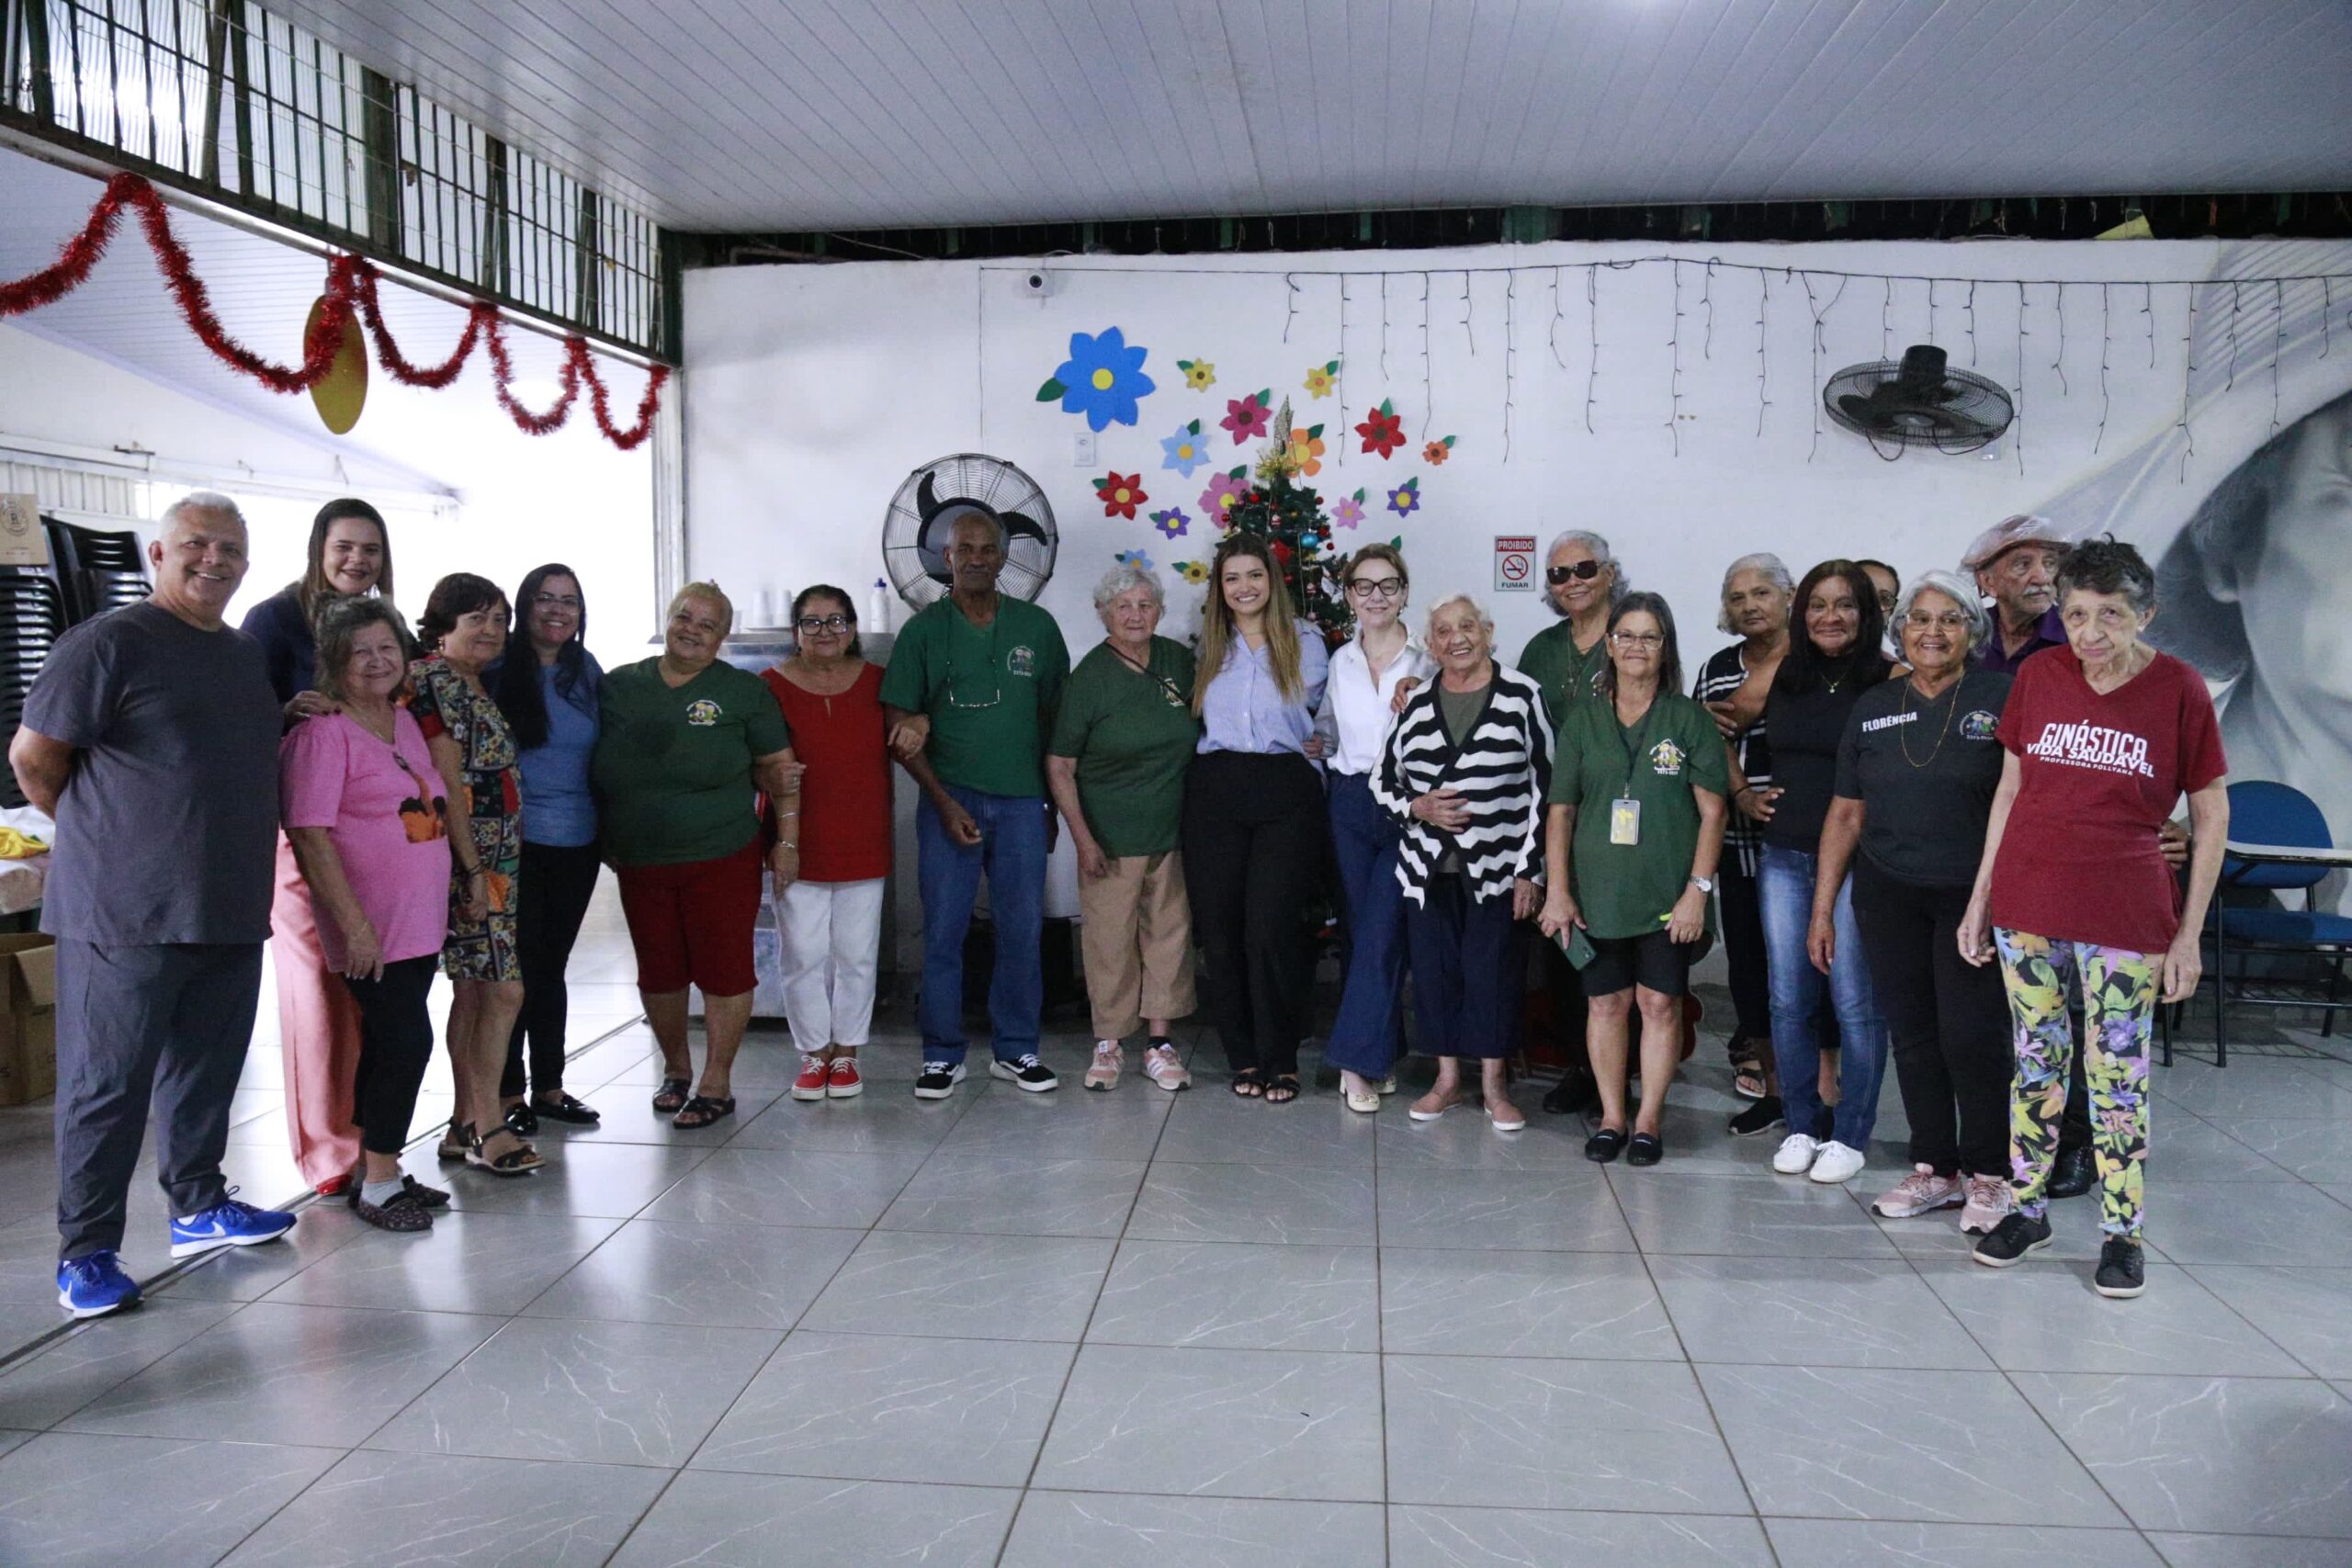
point(2104, 736)
point(832, 918)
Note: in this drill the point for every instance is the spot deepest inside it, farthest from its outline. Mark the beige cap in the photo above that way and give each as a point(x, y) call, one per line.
point(2026, 528)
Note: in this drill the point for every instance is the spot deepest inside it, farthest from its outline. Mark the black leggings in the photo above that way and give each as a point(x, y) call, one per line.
point(395, 1045)
point(557, 883)
point(1253, 864)
point(1947, 1022)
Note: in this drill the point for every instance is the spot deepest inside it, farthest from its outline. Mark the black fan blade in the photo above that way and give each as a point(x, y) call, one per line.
point(926, 496)
point(1018, 527)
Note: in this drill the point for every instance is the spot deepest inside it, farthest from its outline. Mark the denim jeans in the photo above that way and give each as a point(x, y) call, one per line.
point(1012, 851)
point(1785, 888)
point(1368, 1034)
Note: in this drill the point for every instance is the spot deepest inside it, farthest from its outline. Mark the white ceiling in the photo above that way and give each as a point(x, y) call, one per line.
point(752, 115)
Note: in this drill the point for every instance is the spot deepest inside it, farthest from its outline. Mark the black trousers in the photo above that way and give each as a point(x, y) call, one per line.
point(163, 1027)
point(1253, 860)
point(1469, 962)
point(1947, 1022)
point(557, 883)
point(395, 1046)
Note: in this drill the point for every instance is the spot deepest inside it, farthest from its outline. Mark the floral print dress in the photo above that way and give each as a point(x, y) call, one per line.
point(445, 702)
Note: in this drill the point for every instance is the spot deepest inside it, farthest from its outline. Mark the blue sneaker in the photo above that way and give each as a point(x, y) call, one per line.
point(95, 1285)
point(228, 1223)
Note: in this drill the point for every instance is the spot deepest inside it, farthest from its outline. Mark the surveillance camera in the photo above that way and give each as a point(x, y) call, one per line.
point(1037, 285)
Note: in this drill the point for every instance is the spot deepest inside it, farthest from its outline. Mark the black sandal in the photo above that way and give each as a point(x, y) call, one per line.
point(1605, 1146)
point(1246, 1084)
point(398, 1216)
point(417, 1192)
point(1283, 1089)
point(1647, 1149)
point(704, 1109)
point(564, 1108)
point(670, 1098)
point(521, 1160)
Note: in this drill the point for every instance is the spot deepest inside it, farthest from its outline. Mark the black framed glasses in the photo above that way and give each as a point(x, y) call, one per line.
point(1381, 588)
point(809, 626)
point(1583, 569)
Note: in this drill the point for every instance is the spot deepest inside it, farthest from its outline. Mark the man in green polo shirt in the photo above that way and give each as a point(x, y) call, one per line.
point(970, 693)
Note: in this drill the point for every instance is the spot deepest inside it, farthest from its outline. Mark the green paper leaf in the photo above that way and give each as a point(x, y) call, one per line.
point(1194, 427)
point(1315, 432)
point(1332, 368)
point(1051, 391)
point(1183, 365)
point(1387, 406)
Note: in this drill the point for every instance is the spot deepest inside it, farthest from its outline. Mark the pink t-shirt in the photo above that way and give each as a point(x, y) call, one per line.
point(384, 814)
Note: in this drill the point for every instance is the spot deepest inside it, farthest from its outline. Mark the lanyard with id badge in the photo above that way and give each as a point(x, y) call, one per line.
point(1625, 812)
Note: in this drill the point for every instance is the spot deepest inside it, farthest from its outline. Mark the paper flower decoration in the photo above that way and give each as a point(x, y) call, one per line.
point(1223, 492)
point(1382, 429)
point(1406, 499)
point(1192, 571)
point(1438, 451)
point(1183, 451)
point(1319, 378)
point(1102, 379)
point(1306, 448)
point(1135, 559)
point(1199, 373)
point(1171, 520)
point(1120, 493)
point(1246, 417)
point(1347, 511)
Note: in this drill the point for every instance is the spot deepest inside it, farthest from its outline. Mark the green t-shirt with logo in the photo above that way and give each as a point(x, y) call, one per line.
point(1132, 733)
point(672, 764)
point(991, 692)
point(1628, 889)
point(1552, 661)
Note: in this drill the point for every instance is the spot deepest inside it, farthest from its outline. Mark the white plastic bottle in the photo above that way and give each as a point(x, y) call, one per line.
point(877, 608)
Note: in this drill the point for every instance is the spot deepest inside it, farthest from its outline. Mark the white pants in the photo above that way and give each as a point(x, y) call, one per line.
point(833, 941)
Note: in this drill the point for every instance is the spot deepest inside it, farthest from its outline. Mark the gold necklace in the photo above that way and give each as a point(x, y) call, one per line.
point(1902, 731)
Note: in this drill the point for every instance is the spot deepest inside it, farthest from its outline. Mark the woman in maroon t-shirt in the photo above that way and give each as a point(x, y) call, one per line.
point(2104, 736)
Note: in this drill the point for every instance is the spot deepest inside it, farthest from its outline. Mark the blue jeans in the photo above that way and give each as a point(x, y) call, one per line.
point(1012, 851)
point(1368, 1034)
point(1785, 888)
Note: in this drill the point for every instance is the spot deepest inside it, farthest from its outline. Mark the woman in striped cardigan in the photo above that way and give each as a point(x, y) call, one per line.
point(1466, 771)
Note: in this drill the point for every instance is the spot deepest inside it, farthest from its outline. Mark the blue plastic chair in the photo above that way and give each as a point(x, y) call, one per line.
point(2275, 816)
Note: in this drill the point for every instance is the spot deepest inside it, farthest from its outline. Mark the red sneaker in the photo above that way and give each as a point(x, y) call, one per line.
point(811, 1084)
point(844, 1082)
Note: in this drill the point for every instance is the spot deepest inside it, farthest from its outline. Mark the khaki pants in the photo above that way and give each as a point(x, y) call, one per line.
point(1135, 933)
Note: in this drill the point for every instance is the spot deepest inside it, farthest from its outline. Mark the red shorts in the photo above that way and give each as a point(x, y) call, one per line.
point(691, 924)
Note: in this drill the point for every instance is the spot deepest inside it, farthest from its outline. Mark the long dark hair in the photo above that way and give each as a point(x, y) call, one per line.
point(1806, 664)
point(459, 593)
point(517, 690)
point(311, 589)
point(827, 590)
point(1669, 652)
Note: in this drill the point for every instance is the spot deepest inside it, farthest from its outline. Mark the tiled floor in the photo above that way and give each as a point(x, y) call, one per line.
point(1130, 1329)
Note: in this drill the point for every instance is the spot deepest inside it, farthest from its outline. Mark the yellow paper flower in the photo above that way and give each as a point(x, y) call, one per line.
point(1199, 373)
point(1319, 378)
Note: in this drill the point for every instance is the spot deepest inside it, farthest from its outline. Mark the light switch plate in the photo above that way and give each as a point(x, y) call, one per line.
point(1082, 449)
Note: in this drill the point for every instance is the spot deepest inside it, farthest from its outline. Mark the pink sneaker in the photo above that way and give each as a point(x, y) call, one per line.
point(1164, 1068)
point(1989, 1199)
point(1110, 1061)
point(811, 1084)
point(843, 1082)
point(1920, 1192)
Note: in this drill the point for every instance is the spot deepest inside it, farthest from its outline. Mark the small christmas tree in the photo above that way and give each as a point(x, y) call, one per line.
point(1290, 517)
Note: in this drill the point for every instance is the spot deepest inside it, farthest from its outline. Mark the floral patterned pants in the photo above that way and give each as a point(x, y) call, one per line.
point(2120, 991)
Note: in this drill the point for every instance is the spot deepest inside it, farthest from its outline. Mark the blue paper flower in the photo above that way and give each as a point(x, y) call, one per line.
point(1184, 451)
point(1135, 559)
point(1102, 379)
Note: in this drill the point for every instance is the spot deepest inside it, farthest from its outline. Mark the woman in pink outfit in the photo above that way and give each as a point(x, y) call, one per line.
point(318, 1023)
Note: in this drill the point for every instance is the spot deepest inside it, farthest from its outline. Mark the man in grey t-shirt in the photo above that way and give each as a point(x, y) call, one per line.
point(151, 735)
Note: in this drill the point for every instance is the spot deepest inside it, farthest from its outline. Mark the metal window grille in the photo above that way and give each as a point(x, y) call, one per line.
point(224, 98)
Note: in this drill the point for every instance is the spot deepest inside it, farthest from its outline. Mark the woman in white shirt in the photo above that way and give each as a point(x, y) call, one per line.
point(1359, 707)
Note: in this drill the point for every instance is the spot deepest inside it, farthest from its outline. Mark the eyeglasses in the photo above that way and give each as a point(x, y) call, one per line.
point(811, 625)
point(1638, 639)
point(555, 601)
point(1582, 571)
point(1382, 587)
point(1949, 620)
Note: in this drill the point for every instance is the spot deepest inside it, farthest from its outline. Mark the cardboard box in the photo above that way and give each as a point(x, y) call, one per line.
point(28, 1018)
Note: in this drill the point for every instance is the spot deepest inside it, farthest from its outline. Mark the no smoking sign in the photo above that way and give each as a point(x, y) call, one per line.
point(1514, 563)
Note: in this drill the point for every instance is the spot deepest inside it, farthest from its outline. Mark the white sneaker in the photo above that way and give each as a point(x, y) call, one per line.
point(1794, 1156)
point(1164, 1068)
point(1836, 1163)
point(1110, 1061)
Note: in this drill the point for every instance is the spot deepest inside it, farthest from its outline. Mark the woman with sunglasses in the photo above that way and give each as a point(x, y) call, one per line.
point(1122, 742)
point(831, 915)
point(1253, 814)
point(1359, 709)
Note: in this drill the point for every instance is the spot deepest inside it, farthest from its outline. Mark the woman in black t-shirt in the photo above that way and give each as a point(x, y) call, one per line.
point(1833, 659)
point(1916, 776)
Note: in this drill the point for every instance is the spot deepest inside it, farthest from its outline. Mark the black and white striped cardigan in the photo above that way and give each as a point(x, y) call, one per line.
point(1501, 771)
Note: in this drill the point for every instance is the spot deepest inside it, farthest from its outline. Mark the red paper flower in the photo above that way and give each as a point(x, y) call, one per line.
point(1382, 430)
point(1246, 417)
point(1120, 493)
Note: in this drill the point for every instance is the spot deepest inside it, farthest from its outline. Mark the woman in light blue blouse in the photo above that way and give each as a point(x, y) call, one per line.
point(550, 701)
point(1253, 814)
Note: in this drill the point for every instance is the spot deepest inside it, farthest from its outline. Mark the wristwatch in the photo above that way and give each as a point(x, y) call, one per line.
point(1703, 884)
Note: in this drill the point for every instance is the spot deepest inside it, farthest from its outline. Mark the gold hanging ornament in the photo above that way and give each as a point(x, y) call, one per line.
point(342, 393)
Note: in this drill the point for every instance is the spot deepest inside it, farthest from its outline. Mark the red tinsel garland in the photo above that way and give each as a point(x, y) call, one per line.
point(351, 290)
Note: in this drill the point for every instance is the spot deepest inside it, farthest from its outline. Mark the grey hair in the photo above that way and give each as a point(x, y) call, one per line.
point(210, 500)
point(710, 593)
point(1765, 561)
point(1618, 586)
point(970, 512)
point(1957, 589)
point(1125, 576)
point(1485, 619)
